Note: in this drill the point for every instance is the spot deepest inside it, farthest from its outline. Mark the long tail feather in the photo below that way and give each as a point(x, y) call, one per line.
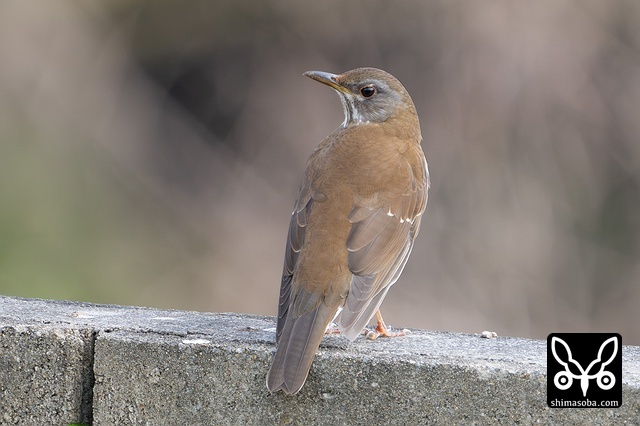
point(297, 347)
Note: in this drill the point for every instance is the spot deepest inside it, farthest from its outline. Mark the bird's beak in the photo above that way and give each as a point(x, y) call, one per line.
point(327, 78)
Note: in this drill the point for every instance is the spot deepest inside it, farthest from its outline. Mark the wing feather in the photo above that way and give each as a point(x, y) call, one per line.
point(295, 241)
point(383, 230)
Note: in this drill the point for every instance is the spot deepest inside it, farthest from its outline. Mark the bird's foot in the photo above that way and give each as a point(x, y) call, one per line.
point(332, 328)
point(384, 331)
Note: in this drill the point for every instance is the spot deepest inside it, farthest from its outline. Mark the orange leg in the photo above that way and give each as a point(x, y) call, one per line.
point(382, 330)
point(332, 328)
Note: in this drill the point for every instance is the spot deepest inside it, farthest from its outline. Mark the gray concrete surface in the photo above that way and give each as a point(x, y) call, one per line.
point(64, 362)
point(45, 374)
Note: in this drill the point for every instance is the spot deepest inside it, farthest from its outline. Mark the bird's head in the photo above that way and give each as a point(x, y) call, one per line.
point(368, 95)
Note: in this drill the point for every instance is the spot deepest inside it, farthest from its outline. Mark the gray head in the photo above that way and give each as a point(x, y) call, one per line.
point(368, 95)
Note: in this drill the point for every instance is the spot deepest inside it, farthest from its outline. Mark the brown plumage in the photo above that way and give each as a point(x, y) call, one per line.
point(354, 222)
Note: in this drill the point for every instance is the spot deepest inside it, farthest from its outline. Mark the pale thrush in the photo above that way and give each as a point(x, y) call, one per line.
point(354, 222)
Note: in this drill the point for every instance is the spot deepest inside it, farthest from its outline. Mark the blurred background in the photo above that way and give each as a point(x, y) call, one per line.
point(151, 152)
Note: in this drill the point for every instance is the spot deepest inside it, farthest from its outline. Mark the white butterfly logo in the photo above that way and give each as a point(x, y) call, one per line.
point(564, 379)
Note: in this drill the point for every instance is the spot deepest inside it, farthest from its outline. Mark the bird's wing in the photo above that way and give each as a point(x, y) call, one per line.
point(295, 240)
point(384, 227)
point(302, 315)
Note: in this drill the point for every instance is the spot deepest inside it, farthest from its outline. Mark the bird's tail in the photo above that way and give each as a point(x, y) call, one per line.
point(297, 347)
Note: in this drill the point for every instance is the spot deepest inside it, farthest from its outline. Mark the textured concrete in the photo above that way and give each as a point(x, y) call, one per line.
point(45, 374)
point(174, 367)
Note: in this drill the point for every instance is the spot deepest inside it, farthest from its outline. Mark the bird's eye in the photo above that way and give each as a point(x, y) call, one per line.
point(368, 91)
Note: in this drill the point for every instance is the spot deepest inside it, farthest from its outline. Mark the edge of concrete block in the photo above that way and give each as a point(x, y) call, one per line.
point(165, 366)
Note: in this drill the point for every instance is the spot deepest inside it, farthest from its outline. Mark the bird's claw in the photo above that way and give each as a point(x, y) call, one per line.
point(332, 328)
point(380, 332)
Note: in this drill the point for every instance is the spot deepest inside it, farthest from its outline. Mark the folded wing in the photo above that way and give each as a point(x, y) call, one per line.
point(383, 230)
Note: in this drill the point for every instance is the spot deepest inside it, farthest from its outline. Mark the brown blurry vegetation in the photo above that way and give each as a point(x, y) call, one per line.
point(150, 153)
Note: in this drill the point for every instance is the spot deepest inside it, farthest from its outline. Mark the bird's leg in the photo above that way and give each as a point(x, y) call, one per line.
point(382, 330)
point(332, 328)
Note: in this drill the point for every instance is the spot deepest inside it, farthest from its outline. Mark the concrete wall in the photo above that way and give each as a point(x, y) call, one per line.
point(66, 362)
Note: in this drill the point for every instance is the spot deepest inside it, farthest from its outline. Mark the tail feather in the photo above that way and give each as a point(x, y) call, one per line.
point(297, 347)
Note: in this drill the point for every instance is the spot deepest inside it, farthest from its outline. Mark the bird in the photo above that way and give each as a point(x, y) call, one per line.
point(356, 217)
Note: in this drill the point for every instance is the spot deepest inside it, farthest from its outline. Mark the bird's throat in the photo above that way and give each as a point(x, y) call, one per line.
point(352, 114)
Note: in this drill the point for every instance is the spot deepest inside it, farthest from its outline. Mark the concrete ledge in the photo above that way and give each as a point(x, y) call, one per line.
point(66, 362)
